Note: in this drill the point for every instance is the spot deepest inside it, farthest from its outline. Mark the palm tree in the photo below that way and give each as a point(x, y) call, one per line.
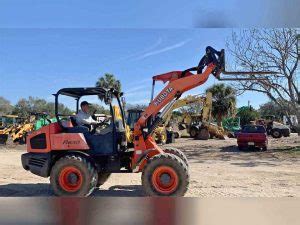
point(223, 102)
point(109, 81)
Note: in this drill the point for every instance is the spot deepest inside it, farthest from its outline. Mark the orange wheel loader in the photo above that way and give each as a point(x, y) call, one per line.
point(79, 160)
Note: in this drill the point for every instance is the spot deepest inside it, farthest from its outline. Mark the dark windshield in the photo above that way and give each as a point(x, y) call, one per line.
point(253, 129)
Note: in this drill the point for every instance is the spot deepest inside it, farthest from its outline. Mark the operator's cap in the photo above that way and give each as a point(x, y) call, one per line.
point(84, 103)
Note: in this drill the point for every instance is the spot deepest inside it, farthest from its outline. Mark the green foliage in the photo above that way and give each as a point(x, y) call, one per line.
point(25, 107)
point(271, 108)
point(98, 109)
point(136, 106)
point(231, 123)
point(191, 109)
point(247, 114)
point(176, 115)
point(223, 101)
point(109, 81)
point(5, 106)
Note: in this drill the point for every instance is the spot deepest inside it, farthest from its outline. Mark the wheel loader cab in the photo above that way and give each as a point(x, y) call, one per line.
point(64, 136)
point(104, 138)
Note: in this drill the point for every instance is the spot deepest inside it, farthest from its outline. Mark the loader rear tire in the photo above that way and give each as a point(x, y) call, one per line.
point(102, 178)
point(177, 152)
point(73, 175)
point(165, 175)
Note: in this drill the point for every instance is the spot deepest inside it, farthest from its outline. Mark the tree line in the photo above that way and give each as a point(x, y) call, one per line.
point(26, 106)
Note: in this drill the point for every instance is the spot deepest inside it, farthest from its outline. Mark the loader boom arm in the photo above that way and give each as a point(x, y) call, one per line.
point(213, 62)
point(169, 94)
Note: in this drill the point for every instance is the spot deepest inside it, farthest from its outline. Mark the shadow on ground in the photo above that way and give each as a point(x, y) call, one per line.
point(26, 190)
point(44, 190)
point(121, 191)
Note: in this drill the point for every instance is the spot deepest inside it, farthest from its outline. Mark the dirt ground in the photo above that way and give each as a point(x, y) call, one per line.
point(217, 168)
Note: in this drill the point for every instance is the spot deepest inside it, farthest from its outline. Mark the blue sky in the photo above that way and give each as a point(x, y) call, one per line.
point(48, 45)
point(38, 62)
point(149, 14)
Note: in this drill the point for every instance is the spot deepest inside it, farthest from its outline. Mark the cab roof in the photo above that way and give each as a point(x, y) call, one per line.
point(79, 92)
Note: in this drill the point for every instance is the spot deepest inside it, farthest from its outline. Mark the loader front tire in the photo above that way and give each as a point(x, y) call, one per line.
point(178, 153)
point(165, 175)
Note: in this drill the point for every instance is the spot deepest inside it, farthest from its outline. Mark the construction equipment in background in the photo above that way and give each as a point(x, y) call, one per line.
point(19, 134)
point(231, 125)
point(132, 116)
point(274, 128)
point(128, 131)
point(203, 129)
point(198, 126)
point(10, 123)
point(188, 100)
point(6, 120)
point(159, 134)
point(18, 131)
point(42, 119)
point(292, 123)
point(4, 134)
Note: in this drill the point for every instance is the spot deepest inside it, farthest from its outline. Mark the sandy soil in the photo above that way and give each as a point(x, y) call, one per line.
point(217, 168)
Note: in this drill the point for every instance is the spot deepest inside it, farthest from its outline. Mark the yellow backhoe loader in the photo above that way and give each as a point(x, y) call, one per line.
point(188, 100)
point(17, 132)
point(4, 133)
point(18, 135)
point(198, 126)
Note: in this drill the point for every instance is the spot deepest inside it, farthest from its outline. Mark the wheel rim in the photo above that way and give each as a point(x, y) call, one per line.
point(276, 134)
point(70, 179)
point(193, 133)
point(164, 138)
point(165, 179)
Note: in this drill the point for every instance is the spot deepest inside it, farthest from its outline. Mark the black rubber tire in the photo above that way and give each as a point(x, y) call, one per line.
point(178, 153)
point(22, 140)
point(169, 160)
point(87, 170)
point(276, 133)
point(264, 148)
point(193, 132)
point(203, 134)
point(3, 139)
point(176, 135)
point(102, 178)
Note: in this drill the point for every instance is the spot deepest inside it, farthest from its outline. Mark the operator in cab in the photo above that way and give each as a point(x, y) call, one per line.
point(83, 117)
